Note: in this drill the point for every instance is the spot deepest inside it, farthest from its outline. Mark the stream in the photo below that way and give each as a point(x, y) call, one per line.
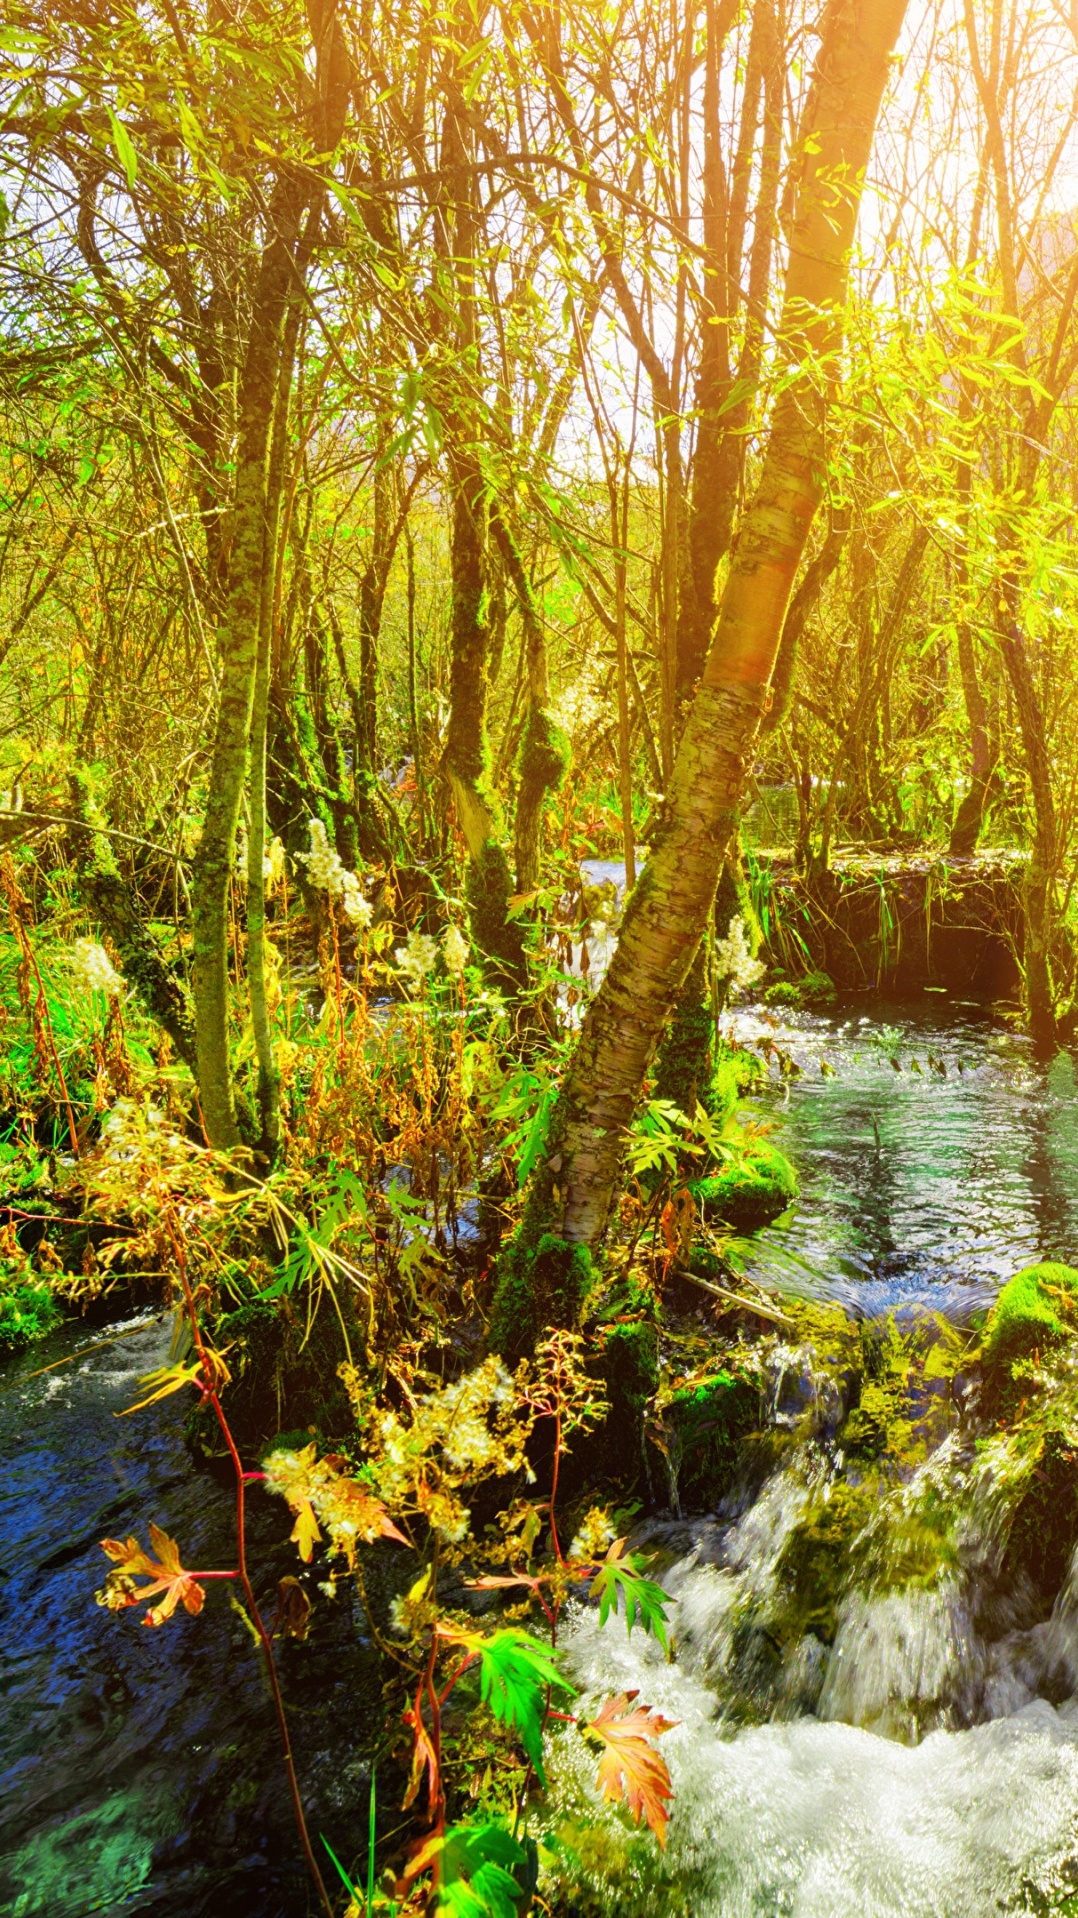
point(139, 1769)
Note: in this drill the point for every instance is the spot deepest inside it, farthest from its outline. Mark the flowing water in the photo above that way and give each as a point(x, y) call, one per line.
point(925, 1762)
point(139, 1769)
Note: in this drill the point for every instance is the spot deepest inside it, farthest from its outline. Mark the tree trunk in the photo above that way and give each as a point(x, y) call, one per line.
point(672, 901)
point(239, 646)
point(1040, 877)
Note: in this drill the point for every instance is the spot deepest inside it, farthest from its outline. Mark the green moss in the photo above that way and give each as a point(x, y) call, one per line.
point(750, 1189)
point(704, 1427)
point(497, 937)
point(812, 1571)
point(1036, 1310)
point(736, 1073)
point(540, 1282)
point(685, 1066)
point(544, 756)
point(785, 992)
point(1044, 1524)
point(28, 1310)
point(815, 989)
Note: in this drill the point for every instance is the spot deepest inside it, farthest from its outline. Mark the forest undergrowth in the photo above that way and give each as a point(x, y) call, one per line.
point(332, 1324)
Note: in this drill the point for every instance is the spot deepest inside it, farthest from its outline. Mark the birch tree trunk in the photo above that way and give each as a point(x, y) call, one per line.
point(575, 1188)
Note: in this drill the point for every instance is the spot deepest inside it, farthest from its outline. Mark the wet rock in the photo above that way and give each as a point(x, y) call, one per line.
point(1036, 1310)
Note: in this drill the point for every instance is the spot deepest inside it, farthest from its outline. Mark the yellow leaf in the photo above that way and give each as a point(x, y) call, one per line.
point(305, 1532)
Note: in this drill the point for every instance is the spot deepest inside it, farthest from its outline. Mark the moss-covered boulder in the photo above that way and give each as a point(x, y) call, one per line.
point(1036, 1310)
point(752, 1188)
point(813, 989)
point(702, 1428)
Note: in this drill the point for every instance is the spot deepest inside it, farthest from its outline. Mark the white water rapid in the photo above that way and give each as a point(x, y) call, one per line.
point(831, 1809)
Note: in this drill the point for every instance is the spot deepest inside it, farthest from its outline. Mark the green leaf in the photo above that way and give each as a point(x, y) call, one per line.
point(125, 152)
point(644, 1600)
point(517, 1672)
point(483, 1871)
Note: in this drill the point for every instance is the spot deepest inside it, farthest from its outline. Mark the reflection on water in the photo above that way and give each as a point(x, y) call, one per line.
point(139, 1768)
point(938, 1159)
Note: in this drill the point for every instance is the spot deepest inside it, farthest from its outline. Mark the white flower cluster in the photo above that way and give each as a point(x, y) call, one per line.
point(454, 950)
point(578, 707)
point(455, 1435)
point(94, 969)
point(733, 957)
point(327, 872)
point(417, 958)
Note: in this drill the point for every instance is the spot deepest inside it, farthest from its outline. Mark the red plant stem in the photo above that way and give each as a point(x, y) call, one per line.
point(437, 1794)
point(264, 1638)
point(554, 1487)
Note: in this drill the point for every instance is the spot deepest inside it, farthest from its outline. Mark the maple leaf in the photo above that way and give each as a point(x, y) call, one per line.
point(644, 1599)
point(516, 1678)
point(293, 1609)
point(483, 1871)
point(317, 1490)
point(165, 1573)
point(630, 1769)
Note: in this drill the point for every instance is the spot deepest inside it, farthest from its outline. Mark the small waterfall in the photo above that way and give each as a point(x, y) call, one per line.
point(915, 1754)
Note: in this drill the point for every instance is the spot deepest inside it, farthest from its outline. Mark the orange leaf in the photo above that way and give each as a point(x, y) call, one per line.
point(165, 1573)
point(424, 1758)
point(630, 1769)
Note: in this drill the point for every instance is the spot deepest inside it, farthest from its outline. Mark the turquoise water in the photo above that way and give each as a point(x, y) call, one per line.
point(937, 1155)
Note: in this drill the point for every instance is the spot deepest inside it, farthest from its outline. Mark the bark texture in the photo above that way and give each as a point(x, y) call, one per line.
point(674, 895)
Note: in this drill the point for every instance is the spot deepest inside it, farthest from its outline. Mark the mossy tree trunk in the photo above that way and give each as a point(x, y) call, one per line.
point(467, 759)
point(109, 900)
point(269, 1077)
point(239, 647)
point(543, 759)
point(276, 284)
point(663, 924)
point(724, 396)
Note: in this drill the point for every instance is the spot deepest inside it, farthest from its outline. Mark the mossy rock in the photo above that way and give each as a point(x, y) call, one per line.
point(705, 1426)
point(28, 1311)
point(784, 992)
point(750, 1190)
point(736, 1072)
point(814, 989)
point(1036, 1310)
point(813, 1569)
point(1044, 1526)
